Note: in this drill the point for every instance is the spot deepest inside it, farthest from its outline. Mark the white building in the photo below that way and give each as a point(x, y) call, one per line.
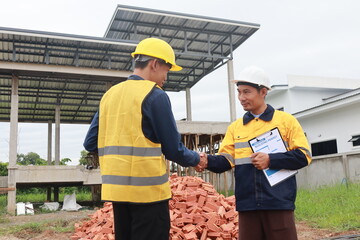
point(327, 108)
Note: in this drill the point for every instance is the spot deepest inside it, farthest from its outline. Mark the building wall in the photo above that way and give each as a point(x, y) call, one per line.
point(329, 170)
point(305, 98)
point(340, 125)
point(279, 100)
point(299, 98)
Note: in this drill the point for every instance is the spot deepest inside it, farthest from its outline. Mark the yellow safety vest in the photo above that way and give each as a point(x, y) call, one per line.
point(132, 167)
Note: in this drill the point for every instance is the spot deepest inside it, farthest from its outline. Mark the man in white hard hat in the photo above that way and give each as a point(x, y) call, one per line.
point(132, 132)
point(265, 212)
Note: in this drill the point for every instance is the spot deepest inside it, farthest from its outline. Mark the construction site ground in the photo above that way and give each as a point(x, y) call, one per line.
point(305, 232)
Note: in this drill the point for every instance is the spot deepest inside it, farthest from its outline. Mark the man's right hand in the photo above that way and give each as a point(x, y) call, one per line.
point(203, 162)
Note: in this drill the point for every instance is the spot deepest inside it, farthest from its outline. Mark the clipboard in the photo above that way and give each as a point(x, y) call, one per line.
point(271, 142)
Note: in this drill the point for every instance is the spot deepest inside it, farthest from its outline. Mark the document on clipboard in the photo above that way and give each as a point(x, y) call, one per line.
point(271, 142)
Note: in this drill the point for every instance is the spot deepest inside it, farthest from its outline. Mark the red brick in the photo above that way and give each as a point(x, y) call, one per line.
point(204, 235)
point(214, 234)
point(190, 236)
point(197, 211)
point(201, 200)
point(106, 230)
point(189, 228)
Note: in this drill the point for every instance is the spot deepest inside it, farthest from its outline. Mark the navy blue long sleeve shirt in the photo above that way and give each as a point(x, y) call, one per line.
point(158, 125)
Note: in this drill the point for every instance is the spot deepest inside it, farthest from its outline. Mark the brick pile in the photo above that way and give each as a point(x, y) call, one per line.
point(197, 211)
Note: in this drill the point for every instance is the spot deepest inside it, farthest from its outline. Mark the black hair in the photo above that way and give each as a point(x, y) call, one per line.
point(141, 65)
point(257, 86)
point(141, 61)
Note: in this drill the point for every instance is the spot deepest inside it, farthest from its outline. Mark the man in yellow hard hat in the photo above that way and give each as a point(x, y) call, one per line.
point(132, 132)
point(266, 212)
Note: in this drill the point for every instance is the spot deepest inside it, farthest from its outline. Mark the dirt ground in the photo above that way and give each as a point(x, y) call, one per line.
point(305, 232)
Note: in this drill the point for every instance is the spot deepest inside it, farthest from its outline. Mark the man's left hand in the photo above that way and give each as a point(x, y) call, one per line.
point(203, 162)
point(260, 160)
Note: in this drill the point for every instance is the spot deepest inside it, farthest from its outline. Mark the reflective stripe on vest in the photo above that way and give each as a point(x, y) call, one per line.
point(130, 151)
point(306, 150)
point(241, 161)
point(247, 160)
point(134, 181)
point(241, 145)
point(228, 157)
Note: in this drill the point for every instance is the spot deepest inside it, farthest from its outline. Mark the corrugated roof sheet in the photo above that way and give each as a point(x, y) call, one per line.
point(201, 44)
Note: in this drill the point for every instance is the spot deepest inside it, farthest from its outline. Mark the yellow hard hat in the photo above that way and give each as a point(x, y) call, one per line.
point(157, 48)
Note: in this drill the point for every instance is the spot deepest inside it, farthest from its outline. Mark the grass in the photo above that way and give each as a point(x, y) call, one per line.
point(3, 203)
point(230, 193)
point(336, 207)
point(40, 197)
point(32, 229)
point(333, 207)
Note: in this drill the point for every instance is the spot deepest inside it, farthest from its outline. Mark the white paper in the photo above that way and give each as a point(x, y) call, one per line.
point(271, 142)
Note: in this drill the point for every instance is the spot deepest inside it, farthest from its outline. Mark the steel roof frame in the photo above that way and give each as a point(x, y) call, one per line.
point(201, 44)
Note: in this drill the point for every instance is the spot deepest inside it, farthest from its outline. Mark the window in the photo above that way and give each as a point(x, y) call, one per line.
point(355, 140)
point(323, 148)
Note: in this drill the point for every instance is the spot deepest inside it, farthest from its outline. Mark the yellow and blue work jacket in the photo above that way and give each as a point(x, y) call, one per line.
point(252, 190)
point(132, 164)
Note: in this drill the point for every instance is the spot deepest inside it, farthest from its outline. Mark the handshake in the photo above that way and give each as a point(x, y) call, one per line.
point(203, 162)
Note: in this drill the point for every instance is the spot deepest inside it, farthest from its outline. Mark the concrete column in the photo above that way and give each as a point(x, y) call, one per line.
point(188, 105)
point(230, 68)
point(13, 145)
point(57, 146)
point(49, 156)
point(57, 135)
point(56, 194)
point(49, 142)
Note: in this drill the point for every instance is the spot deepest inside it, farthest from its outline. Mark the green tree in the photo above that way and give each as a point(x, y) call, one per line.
point(3, 169)
point(30, 158)
point(83, 160)
point(64, 161)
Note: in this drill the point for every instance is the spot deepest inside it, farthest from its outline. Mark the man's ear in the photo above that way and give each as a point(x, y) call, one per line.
point(154, 64)
point(263, 91)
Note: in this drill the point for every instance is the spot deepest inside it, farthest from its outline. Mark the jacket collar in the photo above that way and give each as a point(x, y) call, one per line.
point(135, 77)
point(266, 116)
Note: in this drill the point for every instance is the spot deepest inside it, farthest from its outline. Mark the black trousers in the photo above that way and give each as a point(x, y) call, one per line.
point(141, 221)
point(267, 225)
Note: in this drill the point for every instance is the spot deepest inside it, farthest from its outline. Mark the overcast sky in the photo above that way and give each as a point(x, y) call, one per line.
point(312, 38)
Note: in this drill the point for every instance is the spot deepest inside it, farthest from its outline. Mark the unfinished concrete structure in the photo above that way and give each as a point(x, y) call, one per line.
point(60, 78)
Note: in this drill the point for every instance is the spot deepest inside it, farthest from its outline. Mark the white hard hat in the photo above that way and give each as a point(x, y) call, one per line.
point(254, 75)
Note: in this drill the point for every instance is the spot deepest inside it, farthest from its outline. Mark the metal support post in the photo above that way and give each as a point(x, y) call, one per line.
point(188, 105)
point(230, 68)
